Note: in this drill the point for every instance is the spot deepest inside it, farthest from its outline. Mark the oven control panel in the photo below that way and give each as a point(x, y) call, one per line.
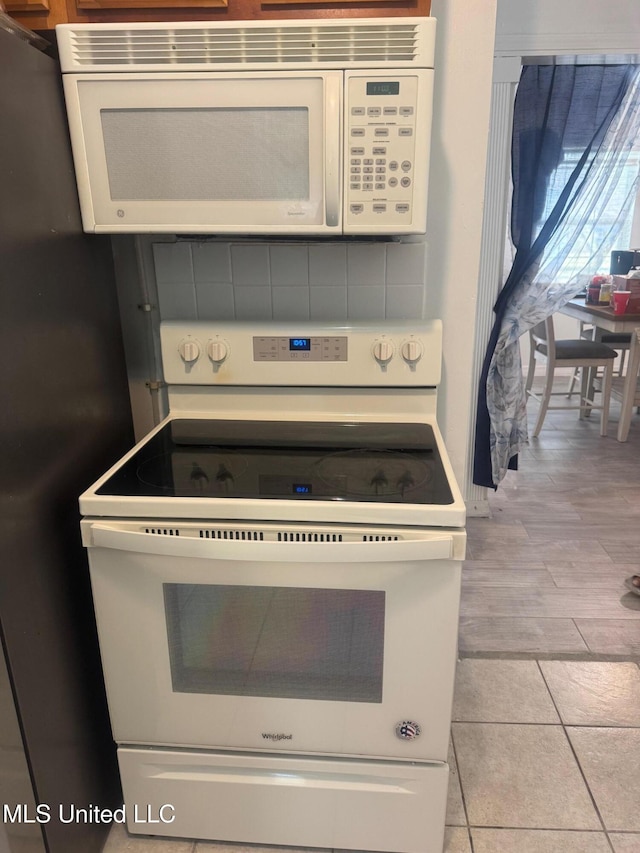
point(394, 354)
point(327, 348)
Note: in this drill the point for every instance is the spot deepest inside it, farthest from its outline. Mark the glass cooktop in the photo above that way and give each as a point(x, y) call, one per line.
point(388, 463)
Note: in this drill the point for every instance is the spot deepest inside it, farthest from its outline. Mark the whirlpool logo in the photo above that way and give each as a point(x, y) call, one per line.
point(276, 737)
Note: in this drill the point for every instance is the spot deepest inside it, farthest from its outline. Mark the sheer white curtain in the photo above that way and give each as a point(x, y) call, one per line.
point(552, 278)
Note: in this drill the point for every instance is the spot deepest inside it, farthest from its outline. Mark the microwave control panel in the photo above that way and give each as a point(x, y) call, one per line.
point(386, 158)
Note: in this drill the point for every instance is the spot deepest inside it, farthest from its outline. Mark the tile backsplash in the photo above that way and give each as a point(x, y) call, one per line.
point(290, 281)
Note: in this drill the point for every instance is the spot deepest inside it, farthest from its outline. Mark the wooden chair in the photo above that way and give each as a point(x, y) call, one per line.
point(627, 389)
point(586, 355)
point(617, 341)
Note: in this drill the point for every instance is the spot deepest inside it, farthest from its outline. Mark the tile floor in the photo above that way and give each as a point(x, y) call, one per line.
point(545, 749)
point(545, 574)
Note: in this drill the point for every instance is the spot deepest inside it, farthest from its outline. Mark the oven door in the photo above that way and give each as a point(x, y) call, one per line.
point(308, 639)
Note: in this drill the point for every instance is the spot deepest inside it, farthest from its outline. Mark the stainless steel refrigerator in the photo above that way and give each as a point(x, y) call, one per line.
point(64, 417)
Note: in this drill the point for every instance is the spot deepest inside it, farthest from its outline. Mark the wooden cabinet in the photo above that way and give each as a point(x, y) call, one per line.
point(45, 14)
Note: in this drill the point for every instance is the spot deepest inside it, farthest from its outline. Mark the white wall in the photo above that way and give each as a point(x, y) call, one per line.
point(464, 67)
point(547, 27)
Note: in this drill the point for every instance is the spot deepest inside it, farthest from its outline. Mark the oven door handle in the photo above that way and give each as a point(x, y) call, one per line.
point(438, 546)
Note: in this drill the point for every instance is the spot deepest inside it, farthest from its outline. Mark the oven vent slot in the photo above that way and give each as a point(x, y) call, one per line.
point(243, 535)
point(379, 538)
point(285, 536)
point(163, 531)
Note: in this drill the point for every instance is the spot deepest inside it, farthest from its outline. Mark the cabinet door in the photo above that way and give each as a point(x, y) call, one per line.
point(116, 6)
point(46, 14)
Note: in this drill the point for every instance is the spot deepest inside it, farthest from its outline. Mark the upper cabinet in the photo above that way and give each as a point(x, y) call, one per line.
point(45, 14)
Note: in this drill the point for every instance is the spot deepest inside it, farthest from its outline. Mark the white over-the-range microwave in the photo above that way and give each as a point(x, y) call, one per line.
point(300, 127)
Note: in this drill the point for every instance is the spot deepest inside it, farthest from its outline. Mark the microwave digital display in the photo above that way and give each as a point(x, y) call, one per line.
point(300, 344)
point(379, 88)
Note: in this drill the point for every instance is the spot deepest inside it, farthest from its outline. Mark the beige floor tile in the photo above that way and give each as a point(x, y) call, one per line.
point(548, 602)
point(521, 776)
point(596, 575)
point(526, 551)
point(611, 636)
point(525, 635)
point(595, 693)
point(455, 807)
point(538, 841)
point(456, 840)
point(502, 691)
point(490, 574)
point(220, 847)
point(625, 843)
point(120, 841)
point(610, 761)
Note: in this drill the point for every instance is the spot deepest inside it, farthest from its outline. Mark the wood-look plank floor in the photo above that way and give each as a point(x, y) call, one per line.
point(545, 574)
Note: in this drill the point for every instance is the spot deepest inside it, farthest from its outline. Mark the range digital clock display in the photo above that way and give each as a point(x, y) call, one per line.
point(302, 488)
point(303, 344)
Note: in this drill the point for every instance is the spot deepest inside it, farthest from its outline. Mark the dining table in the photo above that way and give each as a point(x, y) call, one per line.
point(604, 320)
point(600, 316)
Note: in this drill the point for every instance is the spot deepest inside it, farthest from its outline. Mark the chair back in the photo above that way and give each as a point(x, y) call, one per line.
point(542, 334)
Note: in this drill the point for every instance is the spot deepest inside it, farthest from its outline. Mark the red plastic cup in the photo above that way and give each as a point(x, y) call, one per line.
point(620, 300)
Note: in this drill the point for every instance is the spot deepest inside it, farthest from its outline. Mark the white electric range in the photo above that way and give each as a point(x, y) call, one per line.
point(276, 576)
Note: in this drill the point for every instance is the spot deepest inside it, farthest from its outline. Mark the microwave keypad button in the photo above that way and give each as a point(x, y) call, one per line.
point(374, 111)
point(357, 131)
point(402, 208)
point(368, 162)
point(357, 152)
point(381, 131)
point(406, 111)
point(393, 165)
point(354, 186)
point(378, 151)
point(368, 170)
point(355, 170)
point(368, 188)
point(356, 161)
point(356, 208)
point(380, 186)
point(381, 170)
point(393, 182)
point(379, 208)
point(406, 166)
point(405, 182)
point(357, 111)
point(390, 111)
point(405, 131)
point(380, 161)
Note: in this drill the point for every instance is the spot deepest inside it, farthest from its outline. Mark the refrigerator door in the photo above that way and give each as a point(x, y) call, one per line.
point(65, 417)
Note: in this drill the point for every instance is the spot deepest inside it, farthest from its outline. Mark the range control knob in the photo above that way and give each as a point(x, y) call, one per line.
point(189, 350)
point(412, 351)
point(217, 351)
point(383, 351)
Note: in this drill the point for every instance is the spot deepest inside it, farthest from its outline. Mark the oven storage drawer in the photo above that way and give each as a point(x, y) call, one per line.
point(302, 802)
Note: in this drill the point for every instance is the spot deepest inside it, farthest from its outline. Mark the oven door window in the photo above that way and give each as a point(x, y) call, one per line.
point(282, 642)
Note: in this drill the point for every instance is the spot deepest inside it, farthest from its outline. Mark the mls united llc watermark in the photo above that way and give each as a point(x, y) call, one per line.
point(43, 813)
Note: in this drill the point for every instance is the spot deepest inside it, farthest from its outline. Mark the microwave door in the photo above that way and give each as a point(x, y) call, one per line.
point(208, 153)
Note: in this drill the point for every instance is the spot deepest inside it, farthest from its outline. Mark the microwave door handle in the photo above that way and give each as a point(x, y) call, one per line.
point(439, 546)
point(332, 136)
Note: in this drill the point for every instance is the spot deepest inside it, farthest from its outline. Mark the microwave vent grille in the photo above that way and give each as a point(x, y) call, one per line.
point(352, 44)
